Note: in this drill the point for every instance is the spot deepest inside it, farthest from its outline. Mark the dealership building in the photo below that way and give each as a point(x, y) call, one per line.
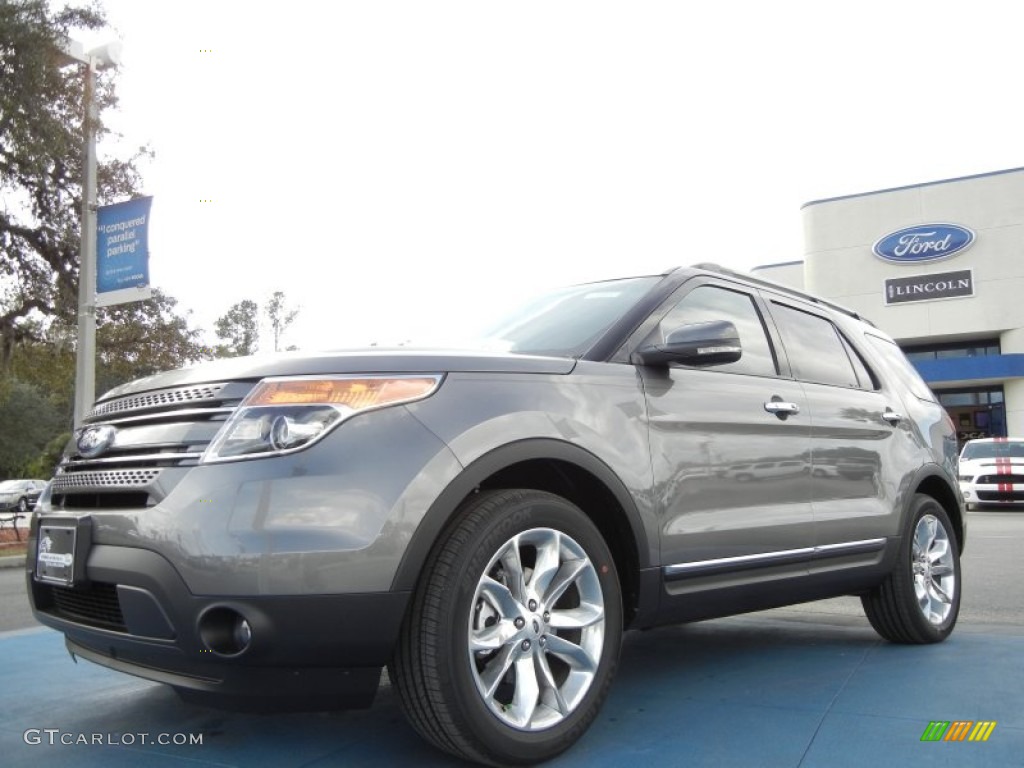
point(940, 268)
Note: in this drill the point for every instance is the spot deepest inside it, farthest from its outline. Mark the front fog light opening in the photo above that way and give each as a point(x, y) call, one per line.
point(225, 631)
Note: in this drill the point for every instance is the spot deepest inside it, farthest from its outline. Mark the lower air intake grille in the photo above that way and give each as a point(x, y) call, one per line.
point(996, 479)
point(1000, 495)
point(96, 605)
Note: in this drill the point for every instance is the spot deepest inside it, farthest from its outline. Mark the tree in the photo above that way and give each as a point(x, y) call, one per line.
point(240, 328)
point(45, 463)
point(133, 340)
point(37, 394)
point(50, 367)
point(28, 422)
point(41, 140)
point(279, 316)
point(240, 325)
point(143, 338)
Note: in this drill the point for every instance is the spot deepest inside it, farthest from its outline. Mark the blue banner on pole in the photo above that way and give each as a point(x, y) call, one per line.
point(122, 251)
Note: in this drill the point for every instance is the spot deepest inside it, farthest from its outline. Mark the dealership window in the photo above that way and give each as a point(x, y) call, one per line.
point(985, 347)
point(970, 397)
point(979, 412)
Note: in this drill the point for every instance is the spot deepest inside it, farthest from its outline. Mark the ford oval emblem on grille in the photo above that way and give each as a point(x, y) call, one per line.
point(92, 441)
point(927, 242)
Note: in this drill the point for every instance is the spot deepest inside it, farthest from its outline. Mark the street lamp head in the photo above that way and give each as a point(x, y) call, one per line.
point(70, 52)
point(102, 57)
point(107, 55)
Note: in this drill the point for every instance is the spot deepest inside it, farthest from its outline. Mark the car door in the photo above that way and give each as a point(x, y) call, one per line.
point(729, 449)
point(856, 440)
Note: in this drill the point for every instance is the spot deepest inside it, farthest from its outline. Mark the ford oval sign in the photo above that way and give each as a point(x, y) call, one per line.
point(927, 242)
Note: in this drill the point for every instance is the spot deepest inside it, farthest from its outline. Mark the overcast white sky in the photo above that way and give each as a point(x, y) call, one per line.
point(389, 164)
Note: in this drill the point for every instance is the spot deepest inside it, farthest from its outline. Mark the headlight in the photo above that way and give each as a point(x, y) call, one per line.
point(966, 478)
point(282, 415)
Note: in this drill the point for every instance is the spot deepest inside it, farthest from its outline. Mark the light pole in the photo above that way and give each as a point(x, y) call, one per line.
point(103, 57)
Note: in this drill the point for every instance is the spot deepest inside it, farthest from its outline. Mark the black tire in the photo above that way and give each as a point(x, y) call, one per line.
point(919, 603)
point(441, 681)
point(23, 506)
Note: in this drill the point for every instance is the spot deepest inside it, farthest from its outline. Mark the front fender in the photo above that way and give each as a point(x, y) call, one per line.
point(441, 511)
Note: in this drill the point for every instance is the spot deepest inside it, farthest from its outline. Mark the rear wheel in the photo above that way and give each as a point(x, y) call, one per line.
point(920, 600)
point(513, 637)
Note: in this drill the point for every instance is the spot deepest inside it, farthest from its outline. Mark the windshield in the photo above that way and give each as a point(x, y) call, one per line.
point(993, 450)
point(565, 322)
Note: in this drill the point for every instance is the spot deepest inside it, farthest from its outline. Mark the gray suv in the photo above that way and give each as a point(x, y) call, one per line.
point(271, 533)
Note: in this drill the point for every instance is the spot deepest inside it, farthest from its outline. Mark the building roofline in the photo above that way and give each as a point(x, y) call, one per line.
point(777, 264)
point(911, 186)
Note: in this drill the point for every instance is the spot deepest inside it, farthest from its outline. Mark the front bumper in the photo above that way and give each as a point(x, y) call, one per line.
point(309, 652)
point(1002, 493)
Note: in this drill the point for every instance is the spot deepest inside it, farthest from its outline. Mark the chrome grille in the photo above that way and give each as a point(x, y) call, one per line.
point(157, 399)
point(126, 478)
point(159, 435)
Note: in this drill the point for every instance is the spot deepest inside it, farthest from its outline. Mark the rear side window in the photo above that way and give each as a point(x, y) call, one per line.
point(864, 376)
point(901, 368)
point(814, 347)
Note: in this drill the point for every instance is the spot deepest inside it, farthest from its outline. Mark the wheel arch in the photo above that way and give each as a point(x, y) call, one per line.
point(558, 467)
point(933, 483)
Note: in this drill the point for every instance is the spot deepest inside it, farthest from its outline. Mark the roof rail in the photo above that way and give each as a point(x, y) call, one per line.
point(709, 266)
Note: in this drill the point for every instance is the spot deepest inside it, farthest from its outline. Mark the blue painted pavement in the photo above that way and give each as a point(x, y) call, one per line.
point(759, 690)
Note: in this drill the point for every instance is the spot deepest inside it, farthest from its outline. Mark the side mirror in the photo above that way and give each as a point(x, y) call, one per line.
point(712, 343)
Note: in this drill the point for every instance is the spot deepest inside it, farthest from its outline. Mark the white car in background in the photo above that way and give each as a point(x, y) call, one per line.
point(992, 471)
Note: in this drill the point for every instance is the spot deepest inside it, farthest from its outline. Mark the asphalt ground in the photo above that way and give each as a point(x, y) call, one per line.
point(805, 686)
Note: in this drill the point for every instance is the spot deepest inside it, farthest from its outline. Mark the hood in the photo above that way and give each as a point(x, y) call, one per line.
point(1008, 462)
point(346, 361)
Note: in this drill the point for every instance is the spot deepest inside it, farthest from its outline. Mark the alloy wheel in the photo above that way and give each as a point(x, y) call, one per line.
point(933, 569)
point(536, 629)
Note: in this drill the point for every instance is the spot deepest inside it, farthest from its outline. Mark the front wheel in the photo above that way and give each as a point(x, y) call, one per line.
point(514, 633)
point(23, 506)
point(920, 600)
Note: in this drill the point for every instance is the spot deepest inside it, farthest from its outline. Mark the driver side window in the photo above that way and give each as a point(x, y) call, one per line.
point(709, 302)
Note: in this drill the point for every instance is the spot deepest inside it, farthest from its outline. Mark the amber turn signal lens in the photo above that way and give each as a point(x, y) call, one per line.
point(356, 394)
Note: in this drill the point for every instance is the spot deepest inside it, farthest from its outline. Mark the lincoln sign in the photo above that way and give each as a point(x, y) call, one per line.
point(946, 285)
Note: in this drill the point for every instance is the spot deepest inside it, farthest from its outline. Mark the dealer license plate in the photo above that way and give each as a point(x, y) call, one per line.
point(55, 553)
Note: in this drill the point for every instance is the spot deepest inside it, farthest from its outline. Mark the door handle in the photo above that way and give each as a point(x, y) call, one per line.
point(892, 417)
point(781, 408)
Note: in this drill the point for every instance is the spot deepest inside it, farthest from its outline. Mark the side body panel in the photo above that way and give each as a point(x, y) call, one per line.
point(730, 479)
